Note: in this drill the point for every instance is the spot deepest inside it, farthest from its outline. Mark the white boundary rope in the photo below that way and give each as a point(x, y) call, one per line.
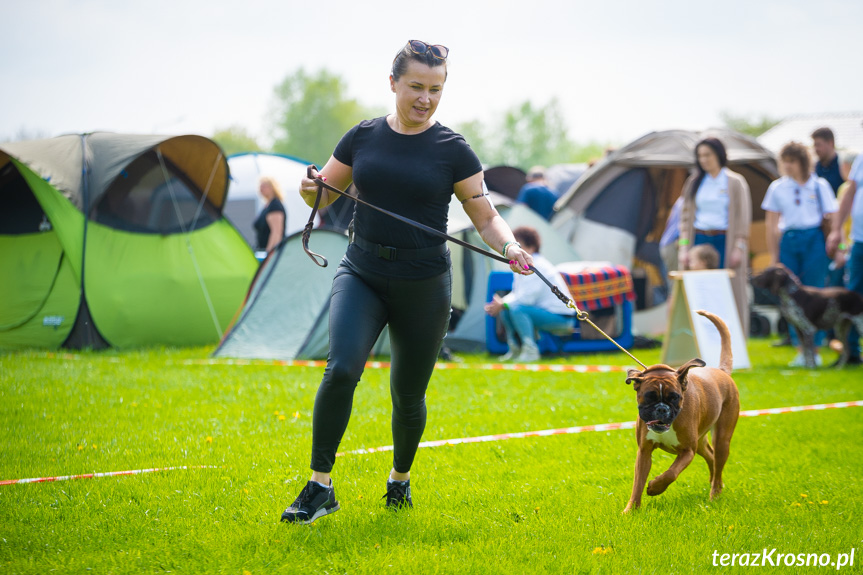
point(598, 427)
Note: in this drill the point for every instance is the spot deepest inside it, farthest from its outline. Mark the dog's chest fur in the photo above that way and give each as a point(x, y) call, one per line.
point(793, 312)
point(668, 438)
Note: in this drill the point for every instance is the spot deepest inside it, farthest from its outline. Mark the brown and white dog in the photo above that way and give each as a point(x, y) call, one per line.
point(809, 309)
point(676, 409)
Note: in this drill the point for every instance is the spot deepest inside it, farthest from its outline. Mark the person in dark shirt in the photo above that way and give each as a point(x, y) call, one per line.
point(393, 274)
point(827, 166)
point(270, 223)
point(536, 194)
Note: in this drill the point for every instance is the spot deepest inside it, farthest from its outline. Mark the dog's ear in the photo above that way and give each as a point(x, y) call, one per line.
point(633, 376)
point(684, 369)
point(780, 278)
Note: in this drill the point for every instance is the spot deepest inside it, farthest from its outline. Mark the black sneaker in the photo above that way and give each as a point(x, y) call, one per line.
point(314, 501)
point(399, 494)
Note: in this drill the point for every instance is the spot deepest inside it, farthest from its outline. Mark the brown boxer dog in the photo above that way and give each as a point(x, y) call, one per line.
point(676, 409)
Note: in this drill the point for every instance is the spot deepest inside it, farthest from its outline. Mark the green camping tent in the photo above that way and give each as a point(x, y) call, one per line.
point(110, 239)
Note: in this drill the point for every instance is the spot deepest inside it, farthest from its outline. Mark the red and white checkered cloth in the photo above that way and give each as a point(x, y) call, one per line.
point(597, 288)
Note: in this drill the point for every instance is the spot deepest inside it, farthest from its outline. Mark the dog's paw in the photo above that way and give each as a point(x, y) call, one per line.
point(656, 486)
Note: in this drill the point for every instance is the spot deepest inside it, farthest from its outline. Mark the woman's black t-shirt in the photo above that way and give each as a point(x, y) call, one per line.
point(411, 175)
point(262, 228)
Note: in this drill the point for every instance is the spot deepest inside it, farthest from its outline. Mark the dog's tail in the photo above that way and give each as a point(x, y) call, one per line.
point(726, 359)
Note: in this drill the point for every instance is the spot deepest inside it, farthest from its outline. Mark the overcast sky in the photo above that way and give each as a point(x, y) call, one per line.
point(619, 68)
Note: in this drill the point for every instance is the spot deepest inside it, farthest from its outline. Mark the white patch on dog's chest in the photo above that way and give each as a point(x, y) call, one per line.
point(668, 438)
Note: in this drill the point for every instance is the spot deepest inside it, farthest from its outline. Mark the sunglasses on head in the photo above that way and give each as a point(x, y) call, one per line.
point(419, 47)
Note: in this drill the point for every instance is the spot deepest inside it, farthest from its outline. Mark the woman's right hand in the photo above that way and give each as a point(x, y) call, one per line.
point(309, 189)
point(683, 258)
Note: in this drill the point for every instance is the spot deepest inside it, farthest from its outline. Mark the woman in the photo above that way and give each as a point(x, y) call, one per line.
point(717, 210)
point(531, 305)
point(795, 206)
point(270, 223)
point(394, 274)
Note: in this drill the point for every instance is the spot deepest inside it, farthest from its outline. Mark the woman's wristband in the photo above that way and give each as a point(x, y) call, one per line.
point(683, 242)
point(507, 245)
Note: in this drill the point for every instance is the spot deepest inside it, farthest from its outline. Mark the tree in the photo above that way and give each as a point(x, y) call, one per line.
point(744, 124)
point(235, 140)
point(311, 112)
point(527, 135)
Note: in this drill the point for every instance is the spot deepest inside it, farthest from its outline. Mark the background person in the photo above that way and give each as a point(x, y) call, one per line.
point(795, 207)
point(717, 210)
point(393, 274)
point(851, 203)
point(827, 166)
point(270, 223)
point(536, 194)
point(703, 257)
point(531, 305)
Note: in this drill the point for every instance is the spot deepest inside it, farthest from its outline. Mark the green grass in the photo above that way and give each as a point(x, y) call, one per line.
point(525, 505)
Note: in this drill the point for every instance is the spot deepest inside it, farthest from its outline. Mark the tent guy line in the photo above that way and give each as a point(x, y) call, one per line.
point(458, 441)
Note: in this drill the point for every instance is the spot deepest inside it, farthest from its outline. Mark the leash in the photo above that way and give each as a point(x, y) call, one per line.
point(321, 261)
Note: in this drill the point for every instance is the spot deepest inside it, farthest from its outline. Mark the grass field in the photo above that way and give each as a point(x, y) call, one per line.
point(537, 505)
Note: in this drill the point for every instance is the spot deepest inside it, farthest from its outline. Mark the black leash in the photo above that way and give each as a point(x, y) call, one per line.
point(581, 315)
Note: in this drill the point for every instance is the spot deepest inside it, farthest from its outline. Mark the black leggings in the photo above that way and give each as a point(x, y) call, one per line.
point(361, 304)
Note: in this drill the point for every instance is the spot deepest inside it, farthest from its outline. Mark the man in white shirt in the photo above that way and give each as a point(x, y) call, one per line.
point(852, 203)
point(531, 304)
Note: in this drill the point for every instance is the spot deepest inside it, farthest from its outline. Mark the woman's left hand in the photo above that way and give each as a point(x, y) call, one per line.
point(519, 260)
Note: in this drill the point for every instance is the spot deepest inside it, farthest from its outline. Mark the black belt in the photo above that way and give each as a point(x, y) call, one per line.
point(710, 233)
point(400, 254)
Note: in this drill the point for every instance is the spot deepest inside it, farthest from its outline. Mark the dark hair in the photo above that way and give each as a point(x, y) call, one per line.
point(825, 134)
point(797, 152)
point(527, 236)
point(718, 149)
point(405, 55)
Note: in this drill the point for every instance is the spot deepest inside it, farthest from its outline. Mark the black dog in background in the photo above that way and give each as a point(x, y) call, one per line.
point(811, 309)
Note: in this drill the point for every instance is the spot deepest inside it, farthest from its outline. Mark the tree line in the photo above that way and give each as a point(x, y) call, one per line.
point(311, 111)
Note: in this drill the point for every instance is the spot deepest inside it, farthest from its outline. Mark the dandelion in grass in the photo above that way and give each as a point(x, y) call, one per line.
point(296, 414)
point(209, 439)
point(80, 447)
point(825, 502)
point(602, 550)
point(796, 505)
point(95, 446)
point(281, 418)
point(803, 495)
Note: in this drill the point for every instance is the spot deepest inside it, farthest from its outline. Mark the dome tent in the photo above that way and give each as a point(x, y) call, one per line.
point(111, 239)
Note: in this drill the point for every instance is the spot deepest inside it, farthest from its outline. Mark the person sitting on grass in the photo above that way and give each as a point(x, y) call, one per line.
point(531, 305)
point(703, 257)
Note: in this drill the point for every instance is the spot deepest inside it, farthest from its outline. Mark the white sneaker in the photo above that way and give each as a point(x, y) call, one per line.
point(528, 354)
point(510, 355)
point(800, 361)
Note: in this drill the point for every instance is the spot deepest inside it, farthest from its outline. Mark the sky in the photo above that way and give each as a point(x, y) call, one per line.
point(619, 69)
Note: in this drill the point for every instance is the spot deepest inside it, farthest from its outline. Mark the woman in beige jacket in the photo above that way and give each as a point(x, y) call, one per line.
point(717, 210)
